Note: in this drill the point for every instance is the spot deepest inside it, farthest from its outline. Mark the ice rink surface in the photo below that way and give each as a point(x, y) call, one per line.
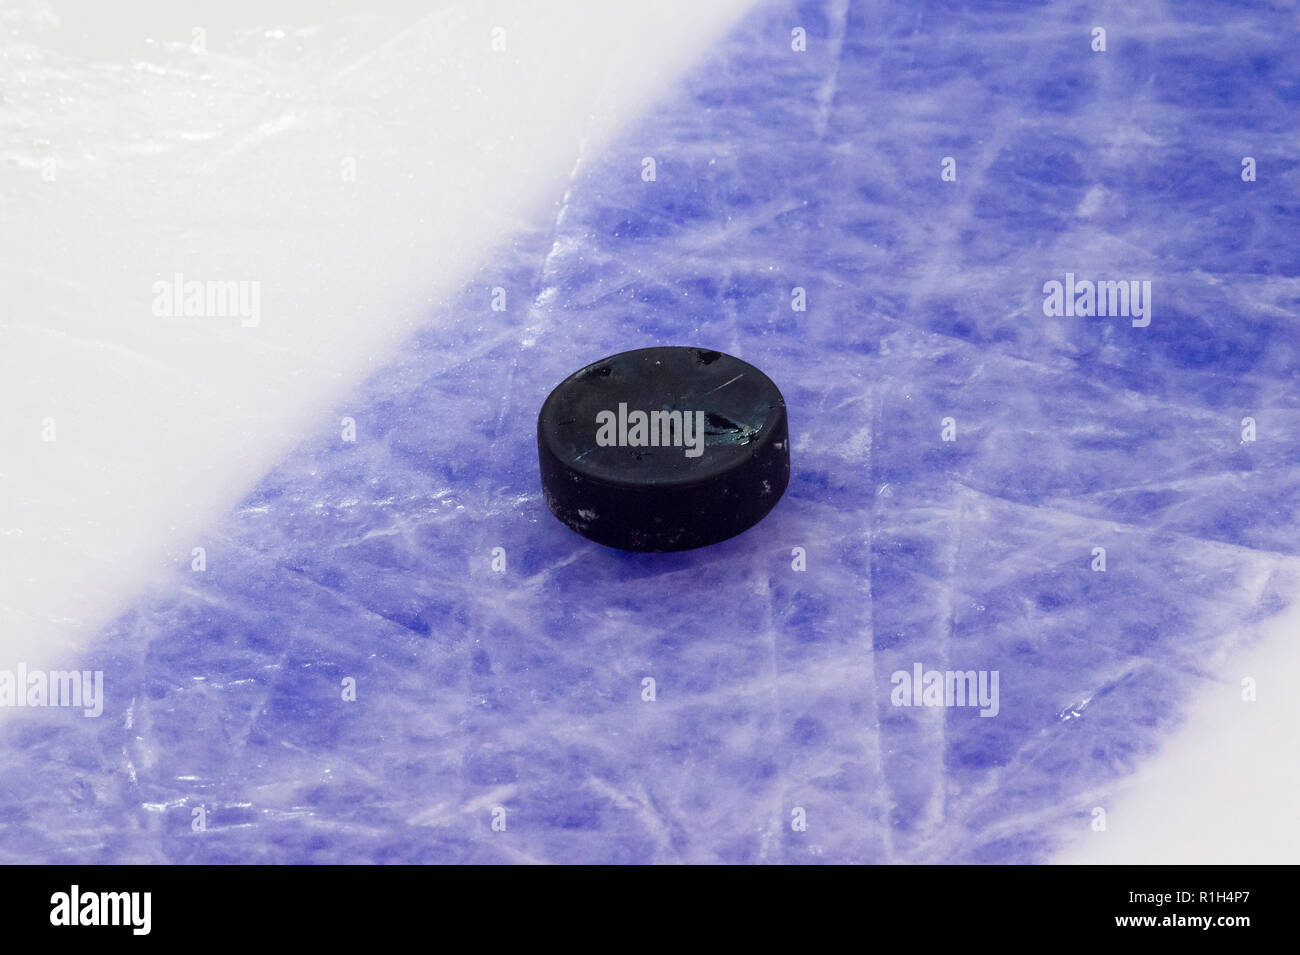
point(446, 220)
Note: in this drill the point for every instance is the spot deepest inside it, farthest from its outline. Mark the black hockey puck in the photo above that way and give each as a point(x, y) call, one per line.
point(663, 449)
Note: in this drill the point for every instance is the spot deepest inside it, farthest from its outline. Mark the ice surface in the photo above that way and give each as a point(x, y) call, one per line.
point(357, 170)
point(523, 688)
point(1223, 789)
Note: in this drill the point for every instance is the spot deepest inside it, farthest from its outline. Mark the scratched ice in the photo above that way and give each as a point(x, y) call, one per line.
point(522, 689)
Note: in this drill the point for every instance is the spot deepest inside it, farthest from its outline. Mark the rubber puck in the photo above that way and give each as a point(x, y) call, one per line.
point(663, 449)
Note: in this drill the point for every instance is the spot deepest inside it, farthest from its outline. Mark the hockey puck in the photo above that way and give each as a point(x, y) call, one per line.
point(663, 449)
